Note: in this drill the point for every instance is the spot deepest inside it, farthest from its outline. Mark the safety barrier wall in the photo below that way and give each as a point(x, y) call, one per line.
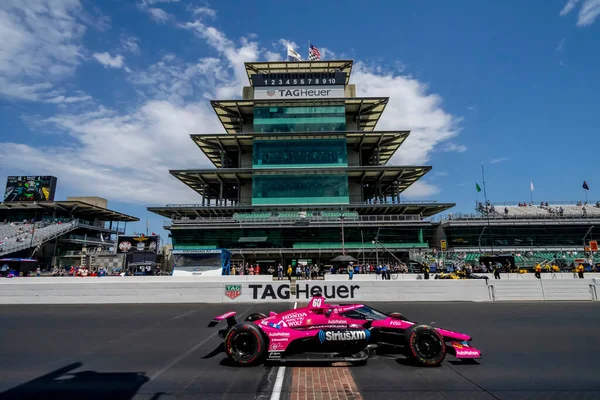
point(115, 290)
point(503, 276)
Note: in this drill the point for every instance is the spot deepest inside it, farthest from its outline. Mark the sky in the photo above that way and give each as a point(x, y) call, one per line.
point(104, 95)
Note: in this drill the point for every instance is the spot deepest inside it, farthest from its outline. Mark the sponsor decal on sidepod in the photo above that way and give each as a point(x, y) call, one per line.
point(334, 336)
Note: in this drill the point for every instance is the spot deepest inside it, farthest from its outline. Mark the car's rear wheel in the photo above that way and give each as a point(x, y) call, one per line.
point(425, 345)
point(245, 344)
point(255, 317)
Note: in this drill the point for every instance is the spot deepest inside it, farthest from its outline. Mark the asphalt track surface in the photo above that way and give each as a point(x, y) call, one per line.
point(531, 350)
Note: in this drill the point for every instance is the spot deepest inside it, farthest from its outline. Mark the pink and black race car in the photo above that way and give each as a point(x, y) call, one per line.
point(329, 333)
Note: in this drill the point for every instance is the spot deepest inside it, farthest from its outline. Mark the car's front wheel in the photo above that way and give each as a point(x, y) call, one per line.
point(425, 345)
point(245, 344)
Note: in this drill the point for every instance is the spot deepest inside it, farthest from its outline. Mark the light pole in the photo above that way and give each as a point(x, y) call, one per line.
point(376, 252)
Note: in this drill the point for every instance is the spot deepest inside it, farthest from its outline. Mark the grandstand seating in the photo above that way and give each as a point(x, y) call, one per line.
point(550, 211)
point(42, 234)
point(14, 229)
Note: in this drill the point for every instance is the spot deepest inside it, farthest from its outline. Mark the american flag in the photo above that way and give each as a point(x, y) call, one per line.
point(313, 53)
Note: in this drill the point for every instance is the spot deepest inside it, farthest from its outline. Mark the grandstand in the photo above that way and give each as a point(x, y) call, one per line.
point(552, 232)
point(302, 178)
point(78, 231)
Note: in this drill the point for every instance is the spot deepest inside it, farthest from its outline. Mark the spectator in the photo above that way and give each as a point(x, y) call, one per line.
point(279, 272)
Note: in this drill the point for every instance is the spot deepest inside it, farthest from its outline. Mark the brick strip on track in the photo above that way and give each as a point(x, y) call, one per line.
point(323, 383)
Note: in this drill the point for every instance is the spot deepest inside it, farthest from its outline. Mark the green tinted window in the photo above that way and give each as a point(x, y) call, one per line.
point(300, 189)
point(299, 119)
point(291, 153)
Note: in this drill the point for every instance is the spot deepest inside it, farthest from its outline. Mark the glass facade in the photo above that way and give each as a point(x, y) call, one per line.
point(300, 189)
point(300, 119)
point(299, 153)
point(302, 238)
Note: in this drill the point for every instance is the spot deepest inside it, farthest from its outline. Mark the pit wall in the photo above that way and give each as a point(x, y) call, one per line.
point(257, 289)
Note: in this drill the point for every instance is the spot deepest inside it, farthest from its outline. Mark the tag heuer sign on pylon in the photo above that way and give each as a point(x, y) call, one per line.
point(233, 291)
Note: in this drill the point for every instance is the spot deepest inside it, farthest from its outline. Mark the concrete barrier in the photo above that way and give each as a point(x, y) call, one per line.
point(398, 290)
point(170, 289)
point(503, 276)
point(543, 289)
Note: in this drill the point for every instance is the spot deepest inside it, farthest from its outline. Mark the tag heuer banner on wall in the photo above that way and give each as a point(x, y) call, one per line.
point(298, 92)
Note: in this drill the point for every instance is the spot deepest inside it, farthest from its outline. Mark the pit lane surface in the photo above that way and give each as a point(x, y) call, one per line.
point(531, 350)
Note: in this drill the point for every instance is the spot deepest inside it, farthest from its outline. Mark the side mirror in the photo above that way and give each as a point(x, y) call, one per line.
point(328, 312)
point(368, 324)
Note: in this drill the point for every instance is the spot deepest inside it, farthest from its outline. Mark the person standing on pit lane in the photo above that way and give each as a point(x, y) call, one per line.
point(426, 271)
point(538, 271)
point(496, 270)
point(580, 271)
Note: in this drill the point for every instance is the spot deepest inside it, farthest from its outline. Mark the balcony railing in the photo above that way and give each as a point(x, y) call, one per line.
point(353, 203)
point(278, 220)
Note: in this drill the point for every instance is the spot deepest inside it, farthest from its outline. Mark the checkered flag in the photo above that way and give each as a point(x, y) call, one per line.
point(313, 53)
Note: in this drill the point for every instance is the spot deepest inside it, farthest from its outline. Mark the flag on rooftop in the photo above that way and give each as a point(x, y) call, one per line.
point(477, 187)
point(292, 54)
point(585, 186)
point(313, 53)
point(531, 186)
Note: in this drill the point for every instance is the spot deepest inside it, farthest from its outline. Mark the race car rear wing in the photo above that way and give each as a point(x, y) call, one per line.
point(229, 316)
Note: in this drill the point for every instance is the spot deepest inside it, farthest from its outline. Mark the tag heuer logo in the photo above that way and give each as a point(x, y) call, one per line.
point(233, 291)
point(270, 93)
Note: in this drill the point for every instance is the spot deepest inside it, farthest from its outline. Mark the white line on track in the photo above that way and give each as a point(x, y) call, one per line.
point(278, 386)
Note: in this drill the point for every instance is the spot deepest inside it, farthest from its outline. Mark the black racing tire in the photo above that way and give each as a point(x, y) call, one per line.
point(397, 315)
point(255, 317)
point(425, 346)
point(245, 344)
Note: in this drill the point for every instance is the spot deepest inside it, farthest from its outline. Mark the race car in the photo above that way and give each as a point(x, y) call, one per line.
point(327, 332)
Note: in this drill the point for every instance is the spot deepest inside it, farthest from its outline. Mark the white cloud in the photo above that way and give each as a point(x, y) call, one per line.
point(471, 108)
point(68, 99)
point(151, 2)
point(560, 46)
point(109, 61)
point(588, 13)
point(568, 7)
point(500, 159)
point(440, 173)
point(453, 147)
point(421, 190)
point(410, 107)
point(159, 15)
point(130, 44)
point(40, 45)
point(209, 12)
point(272, 56)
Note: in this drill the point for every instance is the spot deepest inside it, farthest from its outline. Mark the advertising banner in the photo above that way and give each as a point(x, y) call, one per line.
point(30, 188)
point(138, 244)
point(299, 92)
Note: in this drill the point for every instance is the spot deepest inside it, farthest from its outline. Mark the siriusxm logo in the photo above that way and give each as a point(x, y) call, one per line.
point(333, 336)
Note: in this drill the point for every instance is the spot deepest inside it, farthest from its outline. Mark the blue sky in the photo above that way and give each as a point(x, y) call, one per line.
point(103, 95)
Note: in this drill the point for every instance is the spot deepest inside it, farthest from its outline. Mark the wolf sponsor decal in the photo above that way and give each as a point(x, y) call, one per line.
point(233, 291)
point(335, 336)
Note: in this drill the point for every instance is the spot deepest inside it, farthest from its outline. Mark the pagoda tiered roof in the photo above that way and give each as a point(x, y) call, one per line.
point(212, 145)
point(234, 113)
point(207, 182)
